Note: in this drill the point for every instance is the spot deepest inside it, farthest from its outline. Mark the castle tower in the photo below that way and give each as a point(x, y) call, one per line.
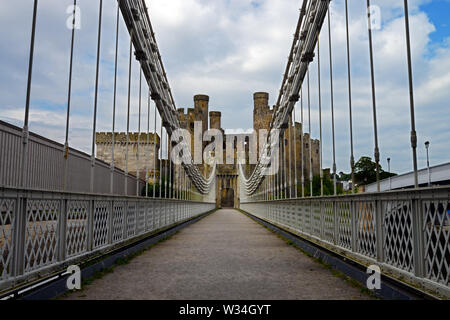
point(262, 115)
point(261, 100)
point(215, 120)
point(201, 102)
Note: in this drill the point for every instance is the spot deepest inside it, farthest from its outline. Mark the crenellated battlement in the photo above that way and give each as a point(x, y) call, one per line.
point(121, 137)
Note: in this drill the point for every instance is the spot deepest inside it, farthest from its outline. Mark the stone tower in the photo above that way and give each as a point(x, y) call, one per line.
point(214, 120)
point(262, 115)
point(201, 102)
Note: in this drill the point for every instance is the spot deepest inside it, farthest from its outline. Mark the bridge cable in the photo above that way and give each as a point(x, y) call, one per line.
point(94, 127)
point(374, 106)
point(112, 165)
point(295, 158)
point(148, 147)
point(309, 138)
point(69, 94)
point(25, 133)
point(302, 143)
point(411, 97)
point(139, 134)
point(332, 102)
point(352, 158)
point(320, 114)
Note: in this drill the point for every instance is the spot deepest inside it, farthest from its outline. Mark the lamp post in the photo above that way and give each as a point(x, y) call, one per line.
point(427, 145)
point(389, 171)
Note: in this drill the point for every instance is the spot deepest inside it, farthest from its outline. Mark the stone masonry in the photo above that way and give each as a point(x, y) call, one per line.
point(226, 173)
point(147, 148)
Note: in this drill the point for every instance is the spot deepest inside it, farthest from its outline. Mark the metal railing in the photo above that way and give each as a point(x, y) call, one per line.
point(42, 232)
point(406, 232)
point(46, 167)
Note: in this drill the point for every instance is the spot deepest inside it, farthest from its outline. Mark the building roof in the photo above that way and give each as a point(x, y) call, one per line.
point(440, 174)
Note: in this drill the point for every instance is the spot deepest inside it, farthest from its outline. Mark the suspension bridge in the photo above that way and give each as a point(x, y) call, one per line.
point(61, 207)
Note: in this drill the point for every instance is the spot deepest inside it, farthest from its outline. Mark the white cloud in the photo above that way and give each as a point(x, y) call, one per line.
point(229, 49)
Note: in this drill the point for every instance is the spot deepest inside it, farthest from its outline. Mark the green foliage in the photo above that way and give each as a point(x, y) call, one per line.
point(366, 171)
point(328, 187)
point(166, 190)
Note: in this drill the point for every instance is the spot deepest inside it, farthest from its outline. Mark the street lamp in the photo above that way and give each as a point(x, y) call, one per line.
point(389, 171)
point(427, 145)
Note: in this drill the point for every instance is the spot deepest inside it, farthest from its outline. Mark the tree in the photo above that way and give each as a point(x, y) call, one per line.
point(366, 171)
point(164, 189)
point(328, 187)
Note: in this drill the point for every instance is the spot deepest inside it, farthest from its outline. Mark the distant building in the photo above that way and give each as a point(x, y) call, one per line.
point(440, 175)
point(227, 193)
point(262, 116)
point(148, 144)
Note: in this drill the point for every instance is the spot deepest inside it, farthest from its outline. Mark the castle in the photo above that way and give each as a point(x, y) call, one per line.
point(227, 187)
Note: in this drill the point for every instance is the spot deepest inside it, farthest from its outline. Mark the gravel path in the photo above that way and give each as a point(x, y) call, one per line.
point(223, 256)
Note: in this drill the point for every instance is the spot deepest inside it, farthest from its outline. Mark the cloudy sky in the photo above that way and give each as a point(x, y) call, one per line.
point(229, 49)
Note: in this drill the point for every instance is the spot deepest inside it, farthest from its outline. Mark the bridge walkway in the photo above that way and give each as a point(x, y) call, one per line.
point(223, 256)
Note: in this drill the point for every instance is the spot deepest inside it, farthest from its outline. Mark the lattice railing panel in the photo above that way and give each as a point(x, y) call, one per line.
point(316, 219)
point(77, 227)
point(306, 208)
point(300, 218)
point(163, 215)
point(102, 210)
point(41, 233)
point(131, 219)
point(293, 216)
point(398, 240)
point(7, 225)
point(140, 226)
point(328, 221)
point(156, 215)
point(344, 215)
point(283, 215)
point(297, 217)
point(149, 224)
point(118, 223)
point(366, 240)
point(436, 217)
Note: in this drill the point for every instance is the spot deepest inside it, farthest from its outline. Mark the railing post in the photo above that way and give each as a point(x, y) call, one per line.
point(336, 222)
point(90, 226)
point(136, 214)
point(418, 240)
point(19, 236)
point(354, 219)
point(62, 229)
point(379, 224)
point(322, 219)
point(110, 222)
point(125, 220)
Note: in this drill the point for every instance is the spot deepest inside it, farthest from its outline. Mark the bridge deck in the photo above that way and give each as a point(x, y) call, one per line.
point(224, 256)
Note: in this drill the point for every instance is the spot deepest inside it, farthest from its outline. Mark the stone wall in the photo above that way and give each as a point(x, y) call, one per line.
point(145, 159)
